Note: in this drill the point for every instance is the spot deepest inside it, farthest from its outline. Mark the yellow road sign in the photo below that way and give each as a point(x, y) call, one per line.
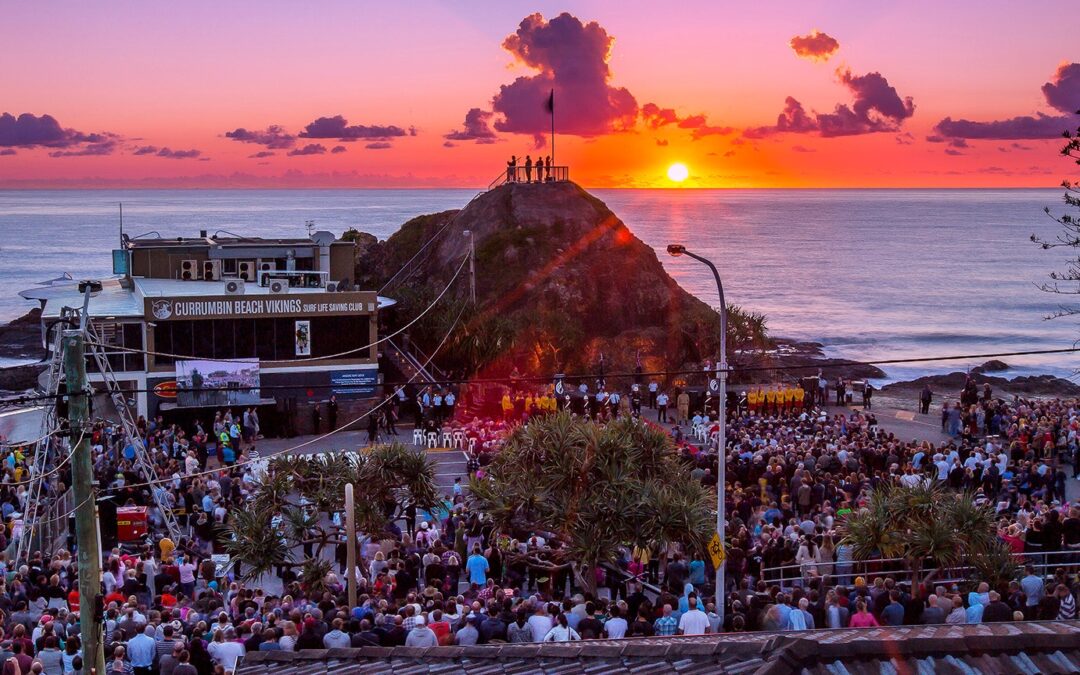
point(716, 550)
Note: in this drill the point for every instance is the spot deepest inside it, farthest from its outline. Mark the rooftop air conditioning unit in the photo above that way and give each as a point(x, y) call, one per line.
point(265, 267)
point(211, 270)
point(234, 287)
point(279, 286)
point(189, 270)
point(245, 269)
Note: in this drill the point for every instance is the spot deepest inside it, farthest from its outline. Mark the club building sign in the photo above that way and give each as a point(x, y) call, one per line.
point(231, 307)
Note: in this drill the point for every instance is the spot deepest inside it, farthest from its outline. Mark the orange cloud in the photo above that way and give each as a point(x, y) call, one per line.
point(816, 46)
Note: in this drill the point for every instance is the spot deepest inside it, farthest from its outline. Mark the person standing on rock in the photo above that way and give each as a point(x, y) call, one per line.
point(511, 169)
point(925, 397)
point(528, 168)
point(547, 167)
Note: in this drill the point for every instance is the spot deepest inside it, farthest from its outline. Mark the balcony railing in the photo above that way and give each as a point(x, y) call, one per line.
point(534, 174)
point(844, 574)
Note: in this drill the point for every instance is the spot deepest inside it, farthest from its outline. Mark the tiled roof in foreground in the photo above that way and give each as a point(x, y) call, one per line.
point(991, 649)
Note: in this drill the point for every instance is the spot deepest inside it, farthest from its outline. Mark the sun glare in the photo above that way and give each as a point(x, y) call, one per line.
point(678, 172)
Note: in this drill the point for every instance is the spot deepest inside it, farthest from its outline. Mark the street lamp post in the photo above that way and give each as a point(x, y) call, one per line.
point(721, 441)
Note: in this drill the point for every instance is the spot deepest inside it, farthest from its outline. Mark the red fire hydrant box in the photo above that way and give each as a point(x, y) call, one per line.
point(130, 523)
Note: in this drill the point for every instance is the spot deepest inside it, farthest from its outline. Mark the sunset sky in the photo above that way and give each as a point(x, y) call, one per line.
point(764, 94)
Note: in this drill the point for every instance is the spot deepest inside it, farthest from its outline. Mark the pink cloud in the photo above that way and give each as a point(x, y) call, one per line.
point(30, 131)
point(167, 153)
point(309, 149)
point(655, 117)
point(1062, 93)
point(571, 58)
point(273, 137)
point(477, 127)
point(876, 107)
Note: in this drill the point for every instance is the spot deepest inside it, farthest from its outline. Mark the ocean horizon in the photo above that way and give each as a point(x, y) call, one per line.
point(870, 273)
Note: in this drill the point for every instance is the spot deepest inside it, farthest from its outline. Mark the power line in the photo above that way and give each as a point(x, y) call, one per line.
point(841, 363)
point(306, 443)
point(308, 359)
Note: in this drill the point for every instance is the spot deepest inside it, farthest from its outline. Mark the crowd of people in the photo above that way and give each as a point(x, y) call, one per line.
point(793, 472)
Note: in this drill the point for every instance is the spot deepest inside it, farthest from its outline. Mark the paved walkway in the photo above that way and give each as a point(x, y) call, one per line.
point(449, 464)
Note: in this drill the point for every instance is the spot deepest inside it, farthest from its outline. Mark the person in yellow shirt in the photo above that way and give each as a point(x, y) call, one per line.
point(789, 398)
point(800, 394)
point(770, 400)
point(507, 406)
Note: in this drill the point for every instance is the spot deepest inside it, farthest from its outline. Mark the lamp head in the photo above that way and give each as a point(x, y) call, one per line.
point(676, 249)
point(90, 285)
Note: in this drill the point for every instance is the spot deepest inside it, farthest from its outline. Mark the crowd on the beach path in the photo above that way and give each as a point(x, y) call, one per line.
point(445, 577)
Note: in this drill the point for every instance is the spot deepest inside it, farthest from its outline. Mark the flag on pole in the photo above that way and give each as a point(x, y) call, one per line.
point(549, 104)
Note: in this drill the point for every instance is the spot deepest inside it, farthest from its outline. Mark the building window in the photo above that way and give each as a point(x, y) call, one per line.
point(269, 339)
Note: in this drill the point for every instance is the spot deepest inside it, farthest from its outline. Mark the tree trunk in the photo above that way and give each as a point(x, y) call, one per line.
point(586, 576)
point(916, 578)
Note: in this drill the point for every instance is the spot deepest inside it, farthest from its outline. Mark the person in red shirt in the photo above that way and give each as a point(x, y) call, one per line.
point(116, 596)
point(168, 599)
point(73, 600)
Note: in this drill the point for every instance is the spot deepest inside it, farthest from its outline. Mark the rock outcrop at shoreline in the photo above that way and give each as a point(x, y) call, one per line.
point(1025, 385)
point(21, 339)
point(558, 275)
point(560, 279)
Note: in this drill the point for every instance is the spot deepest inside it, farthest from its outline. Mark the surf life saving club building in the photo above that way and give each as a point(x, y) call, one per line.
point(191, 324)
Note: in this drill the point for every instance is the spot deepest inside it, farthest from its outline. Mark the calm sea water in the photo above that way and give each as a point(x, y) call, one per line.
point(869, 273)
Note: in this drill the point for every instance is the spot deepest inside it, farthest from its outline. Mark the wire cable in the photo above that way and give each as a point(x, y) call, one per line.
point(839, 363)
point(308, 359)
point(306, 443)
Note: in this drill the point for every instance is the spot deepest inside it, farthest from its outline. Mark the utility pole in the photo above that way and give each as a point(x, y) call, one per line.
point(86, 534)
point(472, 266)
point(350, 544)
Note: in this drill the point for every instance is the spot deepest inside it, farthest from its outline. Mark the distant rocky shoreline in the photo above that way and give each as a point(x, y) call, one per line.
point(21, 339)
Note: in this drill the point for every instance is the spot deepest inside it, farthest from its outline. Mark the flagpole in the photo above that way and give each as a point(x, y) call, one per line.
point(552, 126)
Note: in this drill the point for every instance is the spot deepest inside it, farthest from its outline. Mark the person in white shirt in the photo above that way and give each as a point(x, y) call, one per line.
point(224, 650)
point(616, 626)
point(541, 623)
point(561, 632)
point(694, 621)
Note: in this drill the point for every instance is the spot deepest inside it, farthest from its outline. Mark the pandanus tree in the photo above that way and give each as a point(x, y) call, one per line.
point(295, 496)
point(591, 489)
point(931, 527)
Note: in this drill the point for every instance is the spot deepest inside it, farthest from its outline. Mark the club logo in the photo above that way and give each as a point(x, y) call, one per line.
point(162, 309)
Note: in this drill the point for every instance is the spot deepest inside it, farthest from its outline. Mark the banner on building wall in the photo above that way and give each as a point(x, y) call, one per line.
point(303, 338)
point(213, 383)
point(353, 383)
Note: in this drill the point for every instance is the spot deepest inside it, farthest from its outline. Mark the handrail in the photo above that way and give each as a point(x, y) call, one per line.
point(1050, 560)
point(532, 174)
point(421, 371)
point(421, 356)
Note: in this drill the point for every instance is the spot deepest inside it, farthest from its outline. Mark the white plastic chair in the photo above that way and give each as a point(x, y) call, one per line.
point(472, 446)
point(433, 440)
point(459, 439)
point(418, 437)
point(447, 439)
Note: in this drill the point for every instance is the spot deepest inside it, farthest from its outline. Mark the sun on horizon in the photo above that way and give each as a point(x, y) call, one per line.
point(678, 172)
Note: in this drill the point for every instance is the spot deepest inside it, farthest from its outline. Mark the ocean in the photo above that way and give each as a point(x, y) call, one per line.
point(871, 274)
